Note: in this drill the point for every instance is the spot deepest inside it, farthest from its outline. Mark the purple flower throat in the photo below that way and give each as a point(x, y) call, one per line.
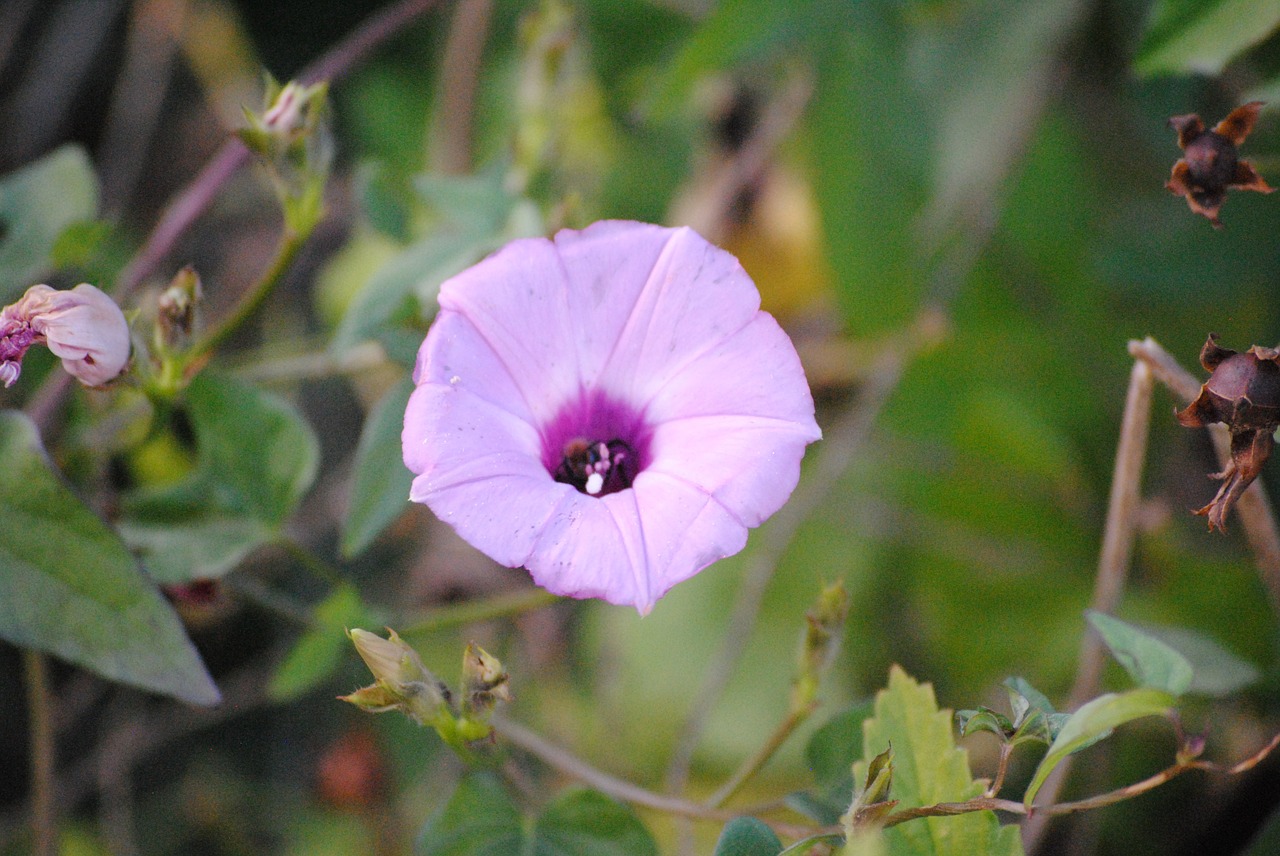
point(596, 444)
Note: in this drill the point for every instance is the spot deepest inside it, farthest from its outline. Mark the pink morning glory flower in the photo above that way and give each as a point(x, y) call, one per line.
point(83, 326)
point(609, 409)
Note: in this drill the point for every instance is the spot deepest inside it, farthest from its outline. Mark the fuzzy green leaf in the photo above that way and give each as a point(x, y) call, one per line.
point(1202, 36)
point(320, 650)
point(1150, 662)
point(37, 203)
point(747, 836)
point(1216, 671)
point(479, 818)
point(588, 823)
point(929, 768)
point(380, 490)
point(256, 457)
point(68, 585)
point(1095, 721)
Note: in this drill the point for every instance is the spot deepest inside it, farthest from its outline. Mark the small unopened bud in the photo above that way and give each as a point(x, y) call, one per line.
point(83, 326)
point(176, 310)
point(824, 626)
point(401, 681)
point(484, 681)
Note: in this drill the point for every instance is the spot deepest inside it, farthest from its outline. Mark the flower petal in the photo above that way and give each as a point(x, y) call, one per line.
point(517, 301)
point(630, 548)
point(749, 464)
point(695, 296)
point(456, 354)
point(479, 470)
point(84, 327)
point(753, 372)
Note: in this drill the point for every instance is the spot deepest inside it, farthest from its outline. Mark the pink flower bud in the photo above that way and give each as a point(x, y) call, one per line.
point(83, 326)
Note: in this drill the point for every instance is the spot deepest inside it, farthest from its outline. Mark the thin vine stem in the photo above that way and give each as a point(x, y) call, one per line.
point(570, 765)
point(44, 815)
point(760, 757)
point(290, 244)
point(500, 605)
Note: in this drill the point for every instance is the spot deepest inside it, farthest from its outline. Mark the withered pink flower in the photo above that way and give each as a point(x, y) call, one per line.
point(609, 409)
point(83, 326)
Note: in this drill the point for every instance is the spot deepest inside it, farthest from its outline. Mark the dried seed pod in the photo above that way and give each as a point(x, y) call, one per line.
point(1243, 392)
point(1211, 164)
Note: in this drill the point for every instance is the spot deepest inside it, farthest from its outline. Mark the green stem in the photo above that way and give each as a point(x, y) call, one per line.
point(483, 609)
point(39, 710)
point(289, 247)
point(753, 764)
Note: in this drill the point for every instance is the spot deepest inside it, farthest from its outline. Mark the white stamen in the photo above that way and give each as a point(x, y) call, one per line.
point(595, 482)
point(454, 380)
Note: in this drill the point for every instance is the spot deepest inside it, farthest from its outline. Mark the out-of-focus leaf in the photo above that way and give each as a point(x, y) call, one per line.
point(322, 648)
point(868, 130)
point(37, 203)
point(380, 489)
point(1095, 721)
point(588, 823)
point(1150, 662)
point(736, 33)
point(479, 818)
point(747, 836)
point(204, 547)
point(1202, 36)
point(475, 217)
point(256, 457)
point(928, 768)
point(68, 585)
point(834, 747)
point(994, 71)
point(1216, 671)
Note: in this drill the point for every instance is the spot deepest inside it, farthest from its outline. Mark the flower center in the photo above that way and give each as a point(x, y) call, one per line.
point(596, 467)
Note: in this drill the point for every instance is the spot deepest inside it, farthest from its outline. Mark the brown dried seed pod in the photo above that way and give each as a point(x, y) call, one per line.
point(1211, 163)
point(1243, 392)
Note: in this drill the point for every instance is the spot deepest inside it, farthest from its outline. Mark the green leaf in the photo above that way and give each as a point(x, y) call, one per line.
point(869, 131)
point(588, 823)
point(321, 649)
point(1095, 721)
point(380, 489)
point(1202, 36)
point(747, 836)
point(37, 203)
point(206, 547)
point(404, 288)
point(256, 457)
point(1216, 671)
point(834, 747)
point(994, 72)
point(1150, 662)
point(928, 768)
point(68, 585)
point(984, 719)
point(478, 819)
